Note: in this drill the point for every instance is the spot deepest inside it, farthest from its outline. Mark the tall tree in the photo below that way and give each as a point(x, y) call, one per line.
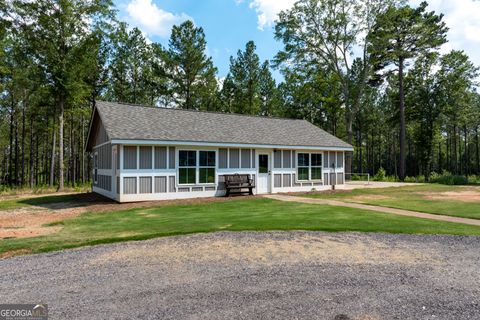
point(456, 78)
point(400, 34)
point(245, 76)
point(324, 33)
point(60, 35)
point(193, 82)
point(269, 95)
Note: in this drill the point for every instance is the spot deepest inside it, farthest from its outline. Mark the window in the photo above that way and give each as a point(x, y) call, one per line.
point(196, 167)
point(303, 166)
point(309, 166)
point(207, 167)
point(187, 162)
point(316, 166)
point(263, 163)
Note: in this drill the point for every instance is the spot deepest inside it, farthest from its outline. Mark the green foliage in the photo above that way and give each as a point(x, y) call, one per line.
point(399, 34)
point(380, 176)
point(191, 74)
point(249, 87)
point(448, 179)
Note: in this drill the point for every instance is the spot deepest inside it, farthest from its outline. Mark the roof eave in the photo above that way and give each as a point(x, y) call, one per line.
point(226, 144)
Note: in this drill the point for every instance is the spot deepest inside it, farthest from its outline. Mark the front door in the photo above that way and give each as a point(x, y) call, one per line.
point(263, 181)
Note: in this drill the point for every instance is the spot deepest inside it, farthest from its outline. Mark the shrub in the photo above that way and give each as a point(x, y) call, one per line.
point(380, 176)
point(449, 179)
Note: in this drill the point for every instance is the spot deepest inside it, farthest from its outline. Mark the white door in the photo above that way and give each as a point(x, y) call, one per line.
point(263, 180)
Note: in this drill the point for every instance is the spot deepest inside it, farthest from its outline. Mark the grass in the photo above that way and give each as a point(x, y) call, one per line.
point(410, 198)
point(252, 214)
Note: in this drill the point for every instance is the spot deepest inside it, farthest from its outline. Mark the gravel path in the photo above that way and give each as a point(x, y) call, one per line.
point(400, 212)
point(264, 275)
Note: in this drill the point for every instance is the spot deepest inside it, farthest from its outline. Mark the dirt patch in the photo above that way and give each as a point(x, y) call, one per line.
point(31, 221)
point(464, 196)
point(366, 198)
point(13, 253)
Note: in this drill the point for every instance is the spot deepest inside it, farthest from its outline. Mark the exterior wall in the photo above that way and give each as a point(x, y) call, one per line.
point(141, 173)
point(285, 174)
point(104, 164)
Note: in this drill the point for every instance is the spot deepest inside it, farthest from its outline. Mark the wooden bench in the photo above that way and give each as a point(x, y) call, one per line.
point(238, 183)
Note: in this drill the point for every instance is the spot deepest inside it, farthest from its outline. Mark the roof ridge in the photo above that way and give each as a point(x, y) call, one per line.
point(200, 111)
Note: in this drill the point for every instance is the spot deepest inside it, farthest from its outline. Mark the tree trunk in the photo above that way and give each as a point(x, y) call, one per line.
point(17, 160)
point(10, 158)
point(22, 178)
point(32, 153)
point(402, 164)
point(61, 167)
point(52, 164)
point(83, 151)
point(477, 147)
point(465, 152)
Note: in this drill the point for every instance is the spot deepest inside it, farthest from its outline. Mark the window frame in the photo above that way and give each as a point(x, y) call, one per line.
point(310, 166)
point(197, 167)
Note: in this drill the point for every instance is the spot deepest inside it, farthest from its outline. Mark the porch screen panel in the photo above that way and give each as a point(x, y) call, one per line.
point(287, 180)
point(277, 180)
point(234, 158)
point(326, 160)
point(333, 159)
point(339, 159)
point(129, 157)
point(340, 178)
point(160, 184)
point(253, 158)
point(171, 157)
point(277, 159)
point(118, 157)
point(145, 184)
point(287, 159)
point(245, 158)
point(105, 156)
point(223, 158)
point(160, 158)
point(145, 157)
point(130, 185)
point(171, 184)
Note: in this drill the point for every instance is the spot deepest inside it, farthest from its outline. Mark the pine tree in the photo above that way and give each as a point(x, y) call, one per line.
point(192, 76)
point(401, 34)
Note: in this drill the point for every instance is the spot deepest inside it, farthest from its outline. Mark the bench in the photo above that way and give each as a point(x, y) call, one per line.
point(238, 183)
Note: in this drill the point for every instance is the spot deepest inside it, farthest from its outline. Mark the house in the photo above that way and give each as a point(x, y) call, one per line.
point(147, 153)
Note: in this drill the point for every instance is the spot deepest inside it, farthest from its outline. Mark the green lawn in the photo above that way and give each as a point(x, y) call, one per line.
point(411, 198)
point(249, 214)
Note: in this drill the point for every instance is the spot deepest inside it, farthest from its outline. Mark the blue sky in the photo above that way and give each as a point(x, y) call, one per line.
point(229, 24)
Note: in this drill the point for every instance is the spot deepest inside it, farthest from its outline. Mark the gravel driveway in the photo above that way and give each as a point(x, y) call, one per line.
point(245, 275)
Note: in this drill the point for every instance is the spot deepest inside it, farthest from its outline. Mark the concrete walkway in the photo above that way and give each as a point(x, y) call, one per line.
point(400, 212)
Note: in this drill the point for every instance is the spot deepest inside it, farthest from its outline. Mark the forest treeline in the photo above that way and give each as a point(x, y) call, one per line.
point(368, 71)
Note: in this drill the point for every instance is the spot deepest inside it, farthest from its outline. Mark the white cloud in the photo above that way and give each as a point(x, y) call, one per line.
point(462, 17)
point(268, 10)
point(151, 19)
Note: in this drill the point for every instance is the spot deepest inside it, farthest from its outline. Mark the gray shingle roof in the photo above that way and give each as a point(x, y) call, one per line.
point(131, 122)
